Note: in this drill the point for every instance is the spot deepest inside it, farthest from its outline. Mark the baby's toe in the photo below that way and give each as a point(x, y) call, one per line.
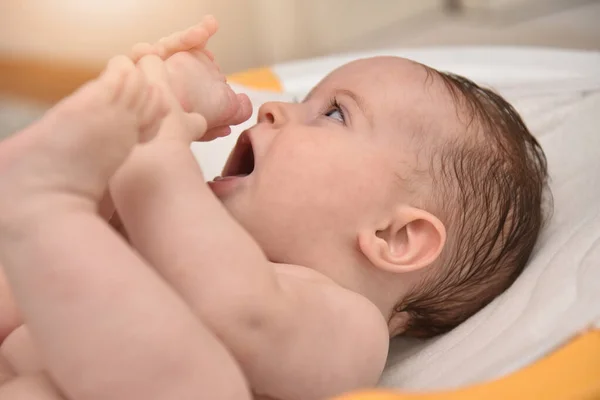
point(244, 111)
point(114, 77)
point(140, 50)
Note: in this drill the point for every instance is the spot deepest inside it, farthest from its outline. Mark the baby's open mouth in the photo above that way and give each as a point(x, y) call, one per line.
point(241, 161)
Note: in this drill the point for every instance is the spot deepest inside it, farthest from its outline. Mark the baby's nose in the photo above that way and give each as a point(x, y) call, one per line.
point(274, 113)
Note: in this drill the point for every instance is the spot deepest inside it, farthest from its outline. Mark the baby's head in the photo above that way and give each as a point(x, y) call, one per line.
point(417, 189)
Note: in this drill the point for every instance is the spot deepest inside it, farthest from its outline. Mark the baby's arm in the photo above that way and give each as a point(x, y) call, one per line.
point(296, 338)
point(281, 328)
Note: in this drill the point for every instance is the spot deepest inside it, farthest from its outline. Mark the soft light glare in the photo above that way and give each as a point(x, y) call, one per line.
point(86, 30)
point(98, 6)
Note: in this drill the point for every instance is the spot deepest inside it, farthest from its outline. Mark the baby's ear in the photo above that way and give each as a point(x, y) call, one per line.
point(410, 239)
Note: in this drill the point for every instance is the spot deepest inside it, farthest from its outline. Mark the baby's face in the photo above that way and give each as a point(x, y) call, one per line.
point(312, 174)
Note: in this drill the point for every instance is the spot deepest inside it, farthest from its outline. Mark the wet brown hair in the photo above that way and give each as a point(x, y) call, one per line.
point(491, 191)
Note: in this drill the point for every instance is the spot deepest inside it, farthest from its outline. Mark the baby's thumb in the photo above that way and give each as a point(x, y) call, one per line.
point(195, 125)
point(182, 126)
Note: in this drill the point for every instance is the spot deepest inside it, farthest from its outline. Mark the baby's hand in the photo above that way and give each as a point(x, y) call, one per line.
point(196, 79)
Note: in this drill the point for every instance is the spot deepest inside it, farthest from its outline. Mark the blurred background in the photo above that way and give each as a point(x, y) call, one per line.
point(49, 47)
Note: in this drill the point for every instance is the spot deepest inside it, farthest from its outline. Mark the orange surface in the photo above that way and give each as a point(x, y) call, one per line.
point(572, 372)
point(42, 80)
point(259, 78)
point(48, 81)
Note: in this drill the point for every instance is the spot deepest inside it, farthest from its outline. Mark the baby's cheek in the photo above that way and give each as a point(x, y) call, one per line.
point(316, 169)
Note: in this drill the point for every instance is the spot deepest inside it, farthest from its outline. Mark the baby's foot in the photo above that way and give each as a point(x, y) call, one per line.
point(79, 144)
point(194, 37)
point(196, 79)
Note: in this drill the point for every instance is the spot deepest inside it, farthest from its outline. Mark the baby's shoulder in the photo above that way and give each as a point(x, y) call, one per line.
point(333, 328)
point(322, 295)
point(300, 272)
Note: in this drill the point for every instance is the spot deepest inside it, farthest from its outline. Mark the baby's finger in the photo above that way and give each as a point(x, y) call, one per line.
point(214, 133)
point(188, 126)
point(155, 109)
point(183, 127)
point(196, 125)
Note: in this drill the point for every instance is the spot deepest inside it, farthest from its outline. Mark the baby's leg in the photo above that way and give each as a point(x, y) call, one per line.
point(9, 315)
point(20, 352)
point(6, 371)
point(106, 325)
point(30, 387)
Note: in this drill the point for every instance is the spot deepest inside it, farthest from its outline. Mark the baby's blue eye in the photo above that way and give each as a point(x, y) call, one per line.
point(336, 114)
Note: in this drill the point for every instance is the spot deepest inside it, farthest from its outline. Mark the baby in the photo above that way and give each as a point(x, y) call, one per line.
point(393, 200)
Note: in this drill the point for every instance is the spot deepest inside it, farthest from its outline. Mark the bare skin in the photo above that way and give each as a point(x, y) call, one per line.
point(61, 277)
point(305, 313)
point(276, 336)
point(10, 317)
point(272, 337)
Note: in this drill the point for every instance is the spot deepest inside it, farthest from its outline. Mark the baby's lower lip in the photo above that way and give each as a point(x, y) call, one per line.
point(223, 185)
point(227, 178)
